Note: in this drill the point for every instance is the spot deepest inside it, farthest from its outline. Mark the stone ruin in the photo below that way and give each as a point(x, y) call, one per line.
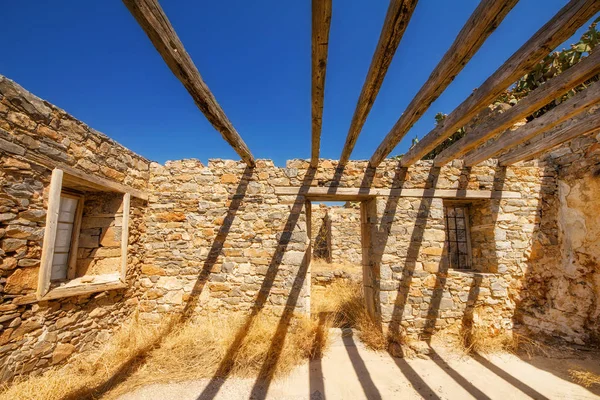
point(510, 248)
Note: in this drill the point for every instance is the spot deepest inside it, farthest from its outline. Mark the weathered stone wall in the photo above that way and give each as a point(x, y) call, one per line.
point(34, 335)
point(344, 232)
point(241, 246)
point(561, 292)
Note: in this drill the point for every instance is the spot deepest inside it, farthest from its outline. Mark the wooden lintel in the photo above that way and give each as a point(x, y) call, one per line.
point(321, 21)
point(484, 20)
point(561, 27)
point(576, 105)
point(325, 193)
point(536, 99)
point(155, 23)
point(396, 20)
point(587, 122)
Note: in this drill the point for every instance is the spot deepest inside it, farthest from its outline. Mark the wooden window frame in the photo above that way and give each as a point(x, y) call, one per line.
point(74, 242)
point(76, 286)
point(467, 213)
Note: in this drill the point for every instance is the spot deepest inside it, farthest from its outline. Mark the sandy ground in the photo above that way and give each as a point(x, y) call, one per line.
point(350, 371)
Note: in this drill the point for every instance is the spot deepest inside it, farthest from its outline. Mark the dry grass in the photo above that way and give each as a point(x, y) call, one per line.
point(585, 378)
point(319, 265)
point(174, 352)
point(90, 372)
point(483, 340)
point(344, 304)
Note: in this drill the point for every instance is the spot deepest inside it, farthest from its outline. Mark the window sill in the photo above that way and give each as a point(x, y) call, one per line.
point(470, 272)
point(83, 285)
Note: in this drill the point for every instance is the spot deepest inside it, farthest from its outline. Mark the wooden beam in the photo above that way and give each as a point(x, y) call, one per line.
point(324, 193)
point(50, 233)
point(154, 22)
point(125, 235)
point(573, 106)
point(561, 27)
point(484, 20)
point(535, 100)
point(396, 20)
point(321, 21)
point(586, 122)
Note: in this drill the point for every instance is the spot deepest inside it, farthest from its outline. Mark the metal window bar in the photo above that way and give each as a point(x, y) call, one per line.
point(457, 237)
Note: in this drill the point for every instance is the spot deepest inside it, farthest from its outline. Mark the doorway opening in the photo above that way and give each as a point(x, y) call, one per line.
point(344, 279)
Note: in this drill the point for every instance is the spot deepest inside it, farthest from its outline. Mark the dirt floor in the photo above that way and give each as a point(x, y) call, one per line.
point(350, 371)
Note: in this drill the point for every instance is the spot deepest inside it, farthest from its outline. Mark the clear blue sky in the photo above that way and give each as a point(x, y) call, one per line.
point(93, 60)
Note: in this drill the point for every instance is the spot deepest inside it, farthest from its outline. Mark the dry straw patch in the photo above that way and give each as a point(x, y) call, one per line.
point(90, 372)
point(319, 265)
point(585, 378)
point(344, 305)
point(140, 354)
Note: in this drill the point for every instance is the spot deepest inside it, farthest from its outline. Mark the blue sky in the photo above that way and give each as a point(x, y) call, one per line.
point(94, 61)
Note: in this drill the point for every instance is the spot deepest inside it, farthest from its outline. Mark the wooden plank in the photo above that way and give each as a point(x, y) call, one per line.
point(75, 287)
point(573, 106)
point(72, 271)
point(396, 20)
point(50, 233)
point(484, 20)
point(586, 122)
point(319, 193)
point(125, 235)
point(321, 21)
point(77, 177)
point(561, 27)
point(535, 100)
point(154, 22)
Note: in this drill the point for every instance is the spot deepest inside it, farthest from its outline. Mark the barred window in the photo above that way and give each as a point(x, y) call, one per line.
point(458, 241)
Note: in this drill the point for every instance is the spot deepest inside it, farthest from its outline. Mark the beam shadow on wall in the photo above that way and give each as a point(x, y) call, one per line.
point(379, 243)
point(267, 371)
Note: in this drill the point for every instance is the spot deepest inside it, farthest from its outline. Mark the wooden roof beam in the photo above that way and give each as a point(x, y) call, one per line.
point(584, 123)
point(396, 21)
point(155, 23)
point(484, 20)
point(573, 106)
point(535, 100)
point(321, 21)
point(562, 26)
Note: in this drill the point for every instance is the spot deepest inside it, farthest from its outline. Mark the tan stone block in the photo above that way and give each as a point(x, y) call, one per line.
point(432, 267)
point(150, 269)
point(219, 287)
point(106, 266)
point(229, 178)
point(112, 173)
point(61, 352)
point(49, 133)
point(433, 251)
point(110, 237)
point(170, 217)
point(21, 280)
point(104, 252)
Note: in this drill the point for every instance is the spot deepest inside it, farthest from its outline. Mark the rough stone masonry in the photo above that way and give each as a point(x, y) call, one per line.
point(223, 237)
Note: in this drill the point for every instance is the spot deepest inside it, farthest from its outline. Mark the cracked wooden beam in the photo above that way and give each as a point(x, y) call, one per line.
point(155, 23)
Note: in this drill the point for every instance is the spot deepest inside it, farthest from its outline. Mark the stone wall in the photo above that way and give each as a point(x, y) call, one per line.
point(219, 237)
point(33, 135)
point(344, 236)
point(561, 292)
